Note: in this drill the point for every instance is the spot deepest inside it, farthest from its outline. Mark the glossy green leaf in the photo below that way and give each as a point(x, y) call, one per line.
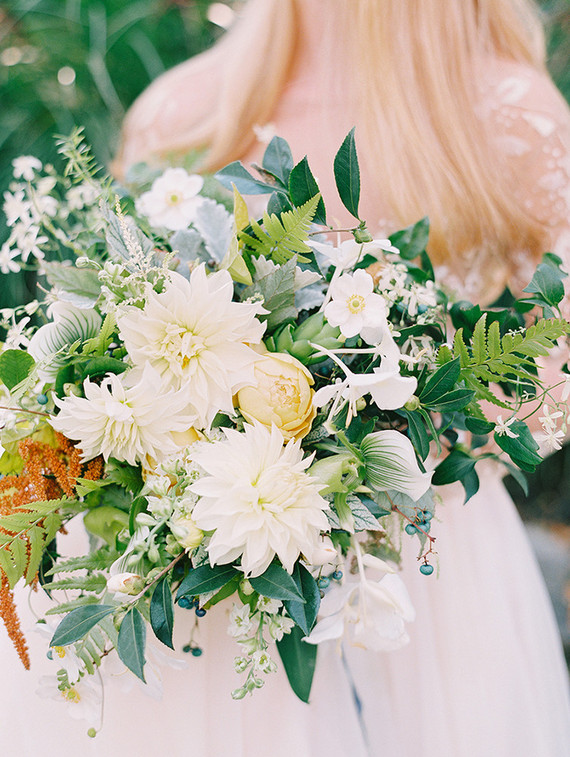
point(162, 612)
point(522, 449)
point(347, 174)
point(454, 467)
point(75, 625)
point(417, 433)
point(15, 367)
point(412, 240)
point(441, 382)
point(303, 187)
point(205, 579)
point(304, 613)
point(278, 159)
point(245, 183)
point(451, 401)
point(276, 583)
point(299, 660)
point(131, 642)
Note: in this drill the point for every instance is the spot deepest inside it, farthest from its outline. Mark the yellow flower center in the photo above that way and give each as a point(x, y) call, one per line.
point(285, 392)
point(60, 651)
point(173, 199)
point(356, 303)
point(71, 695)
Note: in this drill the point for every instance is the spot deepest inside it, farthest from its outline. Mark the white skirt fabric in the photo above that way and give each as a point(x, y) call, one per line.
point(483, 675)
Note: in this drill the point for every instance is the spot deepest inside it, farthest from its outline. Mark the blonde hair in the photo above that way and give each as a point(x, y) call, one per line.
point(416, 67)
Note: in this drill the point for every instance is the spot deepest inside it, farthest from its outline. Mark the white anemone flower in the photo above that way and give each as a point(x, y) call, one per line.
point(257, 499)
point(370, 614)
point(355, 309)
point(83, 698)
point(350, 252)
point(197, 338)
point(134, 423)
point(172, 200)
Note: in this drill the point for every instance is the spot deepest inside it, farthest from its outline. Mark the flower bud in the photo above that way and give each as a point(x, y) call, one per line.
point(296, 341)
point(125, 583)
point(412, 404)
point(186, 532)
point(323, 553)
point(282, 396)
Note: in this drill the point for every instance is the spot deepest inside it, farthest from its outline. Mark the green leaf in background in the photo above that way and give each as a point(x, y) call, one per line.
point(205, 579)
point(412, 240)
point(75, 625)
point(440, 383)
point(81, 283)
point(303, 187)
point(304, 613)
point(478, 426)
point(278, 159)
point(276, 583)
point(451, 401)
point(131, 642)
point(299, 660)
point(236, 173)
point(347, 174)
point(99, 366)
point(278, 291)
point(547, 284)
point(162, 612)
point(15, 367)
point(417, 433)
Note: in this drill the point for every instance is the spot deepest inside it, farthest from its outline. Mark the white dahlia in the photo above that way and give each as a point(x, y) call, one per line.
point(132, 423)
point(196, 338)
point(257, 499)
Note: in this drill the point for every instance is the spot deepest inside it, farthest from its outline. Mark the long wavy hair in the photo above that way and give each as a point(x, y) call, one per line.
point(423, 59)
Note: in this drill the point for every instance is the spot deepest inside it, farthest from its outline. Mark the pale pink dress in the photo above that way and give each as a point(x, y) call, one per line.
point(484, 672)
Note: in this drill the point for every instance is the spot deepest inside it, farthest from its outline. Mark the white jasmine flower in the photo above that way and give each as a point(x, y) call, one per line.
point(195, 337)
point(28, 242)
point(350, 252)
point(553, 439)
point(266, 604)
point(371, 614)
point(240, 621)
point(355, 309)
point(17, 207)
point(83, 698)
point(81, 195)
point(420, 296)
point(7, 262)
point(257, 499)
point(17, 335)
point(172, 199)
point(502, 427)
point(549, 420)
point(128, 422)
point(25, 167)
point(263, 662)
point(278, 626)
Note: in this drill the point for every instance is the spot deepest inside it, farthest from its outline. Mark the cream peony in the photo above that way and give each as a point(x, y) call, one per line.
point(257, 499)
point(133, 423)
point(197, 339)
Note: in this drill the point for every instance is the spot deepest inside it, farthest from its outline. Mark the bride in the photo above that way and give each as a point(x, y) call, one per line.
point(456, 119)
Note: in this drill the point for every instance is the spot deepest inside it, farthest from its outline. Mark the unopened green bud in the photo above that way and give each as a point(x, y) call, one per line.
point(362, 235)
point(412, 404)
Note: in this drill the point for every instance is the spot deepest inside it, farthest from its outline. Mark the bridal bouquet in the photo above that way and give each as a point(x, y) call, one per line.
point(241, 409)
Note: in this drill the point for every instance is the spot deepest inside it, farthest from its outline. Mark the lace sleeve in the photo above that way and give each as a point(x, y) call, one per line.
point(531, 121)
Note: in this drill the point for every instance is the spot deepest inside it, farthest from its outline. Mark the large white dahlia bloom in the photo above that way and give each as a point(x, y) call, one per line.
point(196, 338)
point(134, 423)
point(257, 499)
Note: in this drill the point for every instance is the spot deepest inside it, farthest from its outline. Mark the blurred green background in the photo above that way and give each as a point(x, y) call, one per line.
point(67, 62)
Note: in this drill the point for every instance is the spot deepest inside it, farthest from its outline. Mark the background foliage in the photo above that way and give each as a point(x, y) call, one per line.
point(68, 62)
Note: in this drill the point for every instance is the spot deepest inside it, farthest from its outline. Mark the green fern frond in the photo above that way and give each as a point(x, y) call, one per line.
point(95, 583)
point(98, 560)
point(283, 236)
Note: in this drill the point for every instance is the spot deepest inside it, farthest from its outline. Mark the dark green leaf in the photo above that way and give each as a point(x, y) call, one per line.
point(347, 174)
point(278, 159)
point(276, 583)
point(523, 449)
point(412, 240)
point(75, 625)
point(299, 660)
point(451, 401)
point(441, 382)
point(478, 426)
point(278, 203)
point(547, 283)
point(162, 612)
point(131, 642)
point(15, 366)
point(518, 476)
point(205, 579)
point(302, 187)
point(99, 366)
point(454, 467)
point(417, 433)
point(304, 613)
point(470, 482)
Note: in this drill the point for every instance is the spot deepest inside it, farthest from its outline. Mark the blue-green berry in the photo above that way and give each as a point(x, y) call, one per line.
point(337, 575)
point(200, 612)
point(196, 651)
point(323, 582)
point(49, 654)
point(426, 569)
point(186, 602)
point(410, 529)
point(186, 648)
point(427, 515)
point(42, 399)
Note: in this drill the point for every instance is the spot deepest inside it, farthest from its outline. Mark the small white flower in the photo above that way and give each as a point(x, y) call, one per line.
point(28, 241)
point(553, 439)
point(257, 499)
point(240, 621)
point(266, 604)
point(25, 167)
point(63, 657)
point(502, 427)
point(549, 419)
point(83, 698)
point(350, 252)
point(172, 199)
point(324, 553)
point(7, 262)
point(130, 423)
point(355, 309)
point(279, 625)
point(263, 662)
point(81, 195)
point(17, 207)
point(17, 335)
